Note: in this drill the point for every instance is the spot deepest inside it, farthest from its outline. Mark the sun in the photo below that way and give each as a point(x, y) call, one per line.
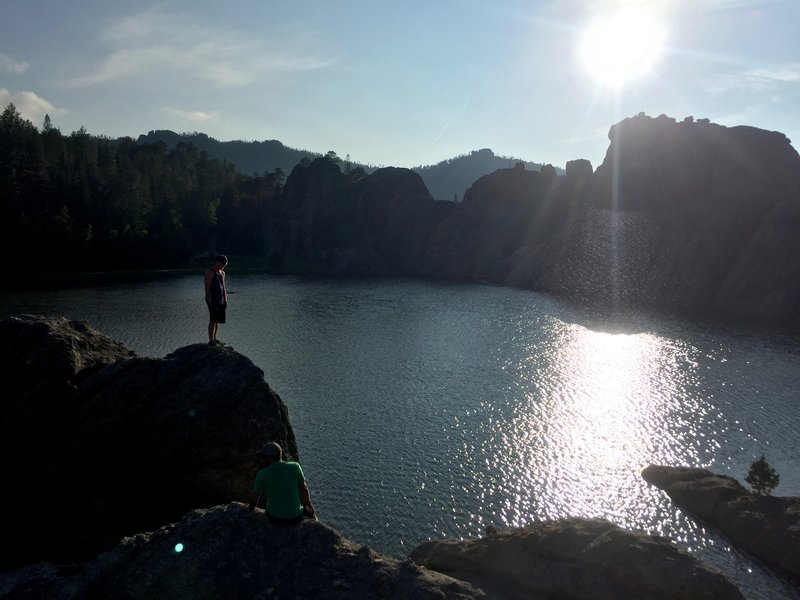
point(620, 47)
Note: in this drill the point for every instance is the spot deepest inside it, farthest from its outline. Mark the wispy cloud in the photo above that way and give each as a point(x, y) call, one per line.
point(590, 135)
point(30, 105)
point(190, 116)
point(759, 80)
point(155, 44)
point(9, 64)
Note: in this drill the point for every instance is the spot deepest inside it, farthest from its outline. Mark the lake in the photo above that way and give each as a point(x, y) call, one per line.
point(425, 409)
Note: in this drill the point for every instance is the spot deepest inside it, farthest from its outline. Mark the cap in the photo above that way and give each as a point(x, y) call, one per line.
point(270, 449)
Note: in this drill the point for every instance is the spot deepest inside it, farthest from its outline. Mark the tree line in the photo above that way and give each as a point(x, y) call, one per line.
point(77, 202)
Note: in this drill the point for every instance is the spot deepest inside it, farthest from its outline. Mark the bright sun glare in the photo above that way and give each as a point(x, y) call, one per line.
point(622, 46)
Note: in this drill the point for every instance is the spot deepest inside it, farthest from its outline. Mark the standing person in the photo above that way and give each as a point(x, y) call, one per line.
point(216, 298)
point(283, 486)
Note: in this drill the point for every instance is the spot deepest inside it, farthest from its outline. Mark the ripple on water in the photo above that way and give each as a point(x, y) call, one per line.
point(428, 410)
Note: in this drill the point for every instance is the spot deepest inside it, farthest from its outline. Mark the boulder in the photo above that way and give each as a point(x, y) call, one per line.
point(229, 552)
point(103, 449)
point(766, 526)
point(44, 358)
point(575, 558)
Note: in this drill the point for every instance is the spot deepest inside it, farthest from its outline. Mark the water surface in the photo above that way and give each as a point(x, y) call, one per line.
point(427, 410)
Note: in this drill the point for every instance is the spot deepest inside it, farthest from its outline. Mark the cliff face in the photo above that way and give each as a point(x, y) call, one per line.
point(689, 215)
point(766, 526)
point(99, 443)
point(327, 221)
point(718, 214)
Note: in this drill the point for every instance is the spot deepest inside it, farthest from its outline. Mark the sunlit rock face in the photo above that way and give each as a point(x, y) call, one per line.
point(115, 443)
point(229, 552)
point(722, 207)
point(575, 558)
point(766, 526)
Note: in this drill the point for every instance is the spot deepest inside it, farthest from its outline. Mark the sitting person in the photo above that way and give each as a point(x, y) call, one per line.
point(283, 487)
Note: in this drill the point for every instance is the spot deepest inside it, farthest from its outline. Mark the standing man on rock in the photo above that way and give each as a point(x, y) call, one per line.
point(216, 298)
point(282, 484)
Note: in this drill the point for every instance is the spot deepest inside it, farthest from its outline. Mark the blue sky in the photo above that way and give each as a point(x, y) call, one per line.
point(402, 83)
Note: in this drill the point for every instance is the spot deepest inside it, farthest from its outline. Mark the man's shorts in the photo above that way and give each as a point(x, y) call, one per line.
point(217, 313)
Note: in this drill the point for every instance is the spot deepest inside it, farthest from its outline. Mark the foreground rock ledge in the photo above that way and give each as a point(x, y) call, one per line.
point(575, 558)
point(229, 552)
point(766, 526)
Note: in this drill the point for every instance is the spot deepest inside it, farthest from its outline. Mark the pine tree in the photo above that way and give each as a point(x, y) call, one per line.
point(762, 477)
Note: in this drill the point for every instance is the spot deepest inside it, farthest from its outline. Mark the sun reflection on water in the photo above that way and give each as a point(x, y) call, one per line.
point(599, 407)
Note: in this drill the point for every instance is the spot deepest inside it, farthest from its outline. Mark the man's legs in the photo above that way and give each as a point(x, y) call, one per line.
point(212, 331)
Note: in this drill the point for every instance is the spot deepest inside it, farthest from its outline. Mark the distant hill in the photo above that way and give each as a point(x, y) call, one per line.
point(449, 179)
point(247, 157)
point(446, 180)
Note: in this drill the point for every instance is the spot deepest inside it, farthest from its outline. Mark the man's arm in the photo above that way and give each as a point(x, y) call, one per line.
point(208, 286)
point(305, 497)
point(254, 500)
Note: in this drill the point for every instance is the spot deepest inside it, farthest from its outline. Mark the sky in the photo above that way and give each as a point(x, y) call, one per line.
point(405, 83)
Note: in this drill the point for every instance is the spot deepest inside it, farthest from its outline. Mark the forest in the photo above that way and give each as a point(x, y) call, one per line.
point(79, 202)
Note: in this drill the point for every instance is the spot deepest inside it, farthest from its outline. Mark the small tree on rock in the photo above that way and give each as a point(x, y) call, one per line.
point(762, 477)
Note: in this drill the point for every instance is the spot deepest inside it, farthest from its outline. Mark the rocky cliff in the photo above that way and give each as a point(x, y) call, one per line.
point(688, 215)
point(766, 526)
point(99, 443)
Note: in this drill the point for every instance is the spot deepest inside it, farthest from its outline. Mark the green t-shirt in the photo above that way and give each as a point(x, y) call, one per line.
point(280, 484)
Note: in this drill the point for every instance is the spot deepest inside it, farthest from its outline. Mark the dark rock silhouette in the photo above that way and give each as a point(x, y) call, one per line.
point(229, 552)
point(575, 558)
point(103, 443)
point(328, 223)
point(687, 216)
point(766, 526)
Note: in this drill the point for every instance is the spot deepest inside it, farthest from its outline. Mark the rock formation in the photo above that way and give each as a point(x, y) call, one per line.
point(99, 443)
point(229, 552)
point(689, 216)
point(766, 526)
point(575, 558)
point(327, 221)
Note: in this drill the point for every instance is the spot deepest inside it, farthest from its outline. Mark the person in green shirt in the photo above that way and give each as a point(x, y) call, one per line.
point(283, 486)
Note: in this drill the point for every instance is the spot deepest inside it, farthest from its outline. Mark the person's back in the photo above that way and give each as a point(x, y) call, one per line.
point(281, 483)
point(283, 486)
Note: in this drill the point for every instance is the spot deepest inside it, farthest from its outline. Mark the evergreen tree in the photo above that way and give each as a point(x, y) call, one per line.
point(762, 477)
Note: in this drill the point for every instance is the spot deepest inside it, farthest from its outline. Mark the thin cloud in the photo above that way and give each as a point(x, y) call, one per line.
point(758, 80)
point(10, 64)
point(153, 43)
point(30, 105)
point(190, 116)
point(591, 135)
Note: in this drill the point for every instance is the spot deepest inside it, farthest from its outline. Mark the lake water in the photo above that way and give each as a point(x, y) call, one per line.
point(428, 410)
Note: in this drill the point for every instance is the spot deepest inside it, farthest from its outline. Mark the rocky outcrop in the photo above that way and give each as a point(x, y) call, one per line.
point(99, 443)
point(229, 552)
point(766, 526)
point(688, 216)
point(575, 558)
point(331, 222)
point(715, 207)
